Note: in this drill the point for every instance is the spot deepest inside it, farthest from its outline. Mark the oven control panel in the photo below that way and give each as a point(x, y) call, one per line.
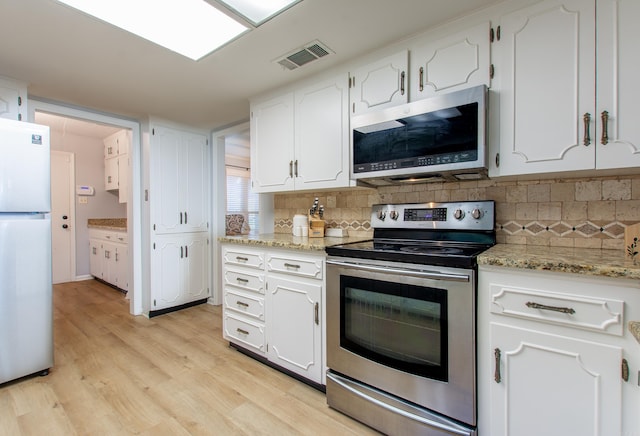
point(462, 215)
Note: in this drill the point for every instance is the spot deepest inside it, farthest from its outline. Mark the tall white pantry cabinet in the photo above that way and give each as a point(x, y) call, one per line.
point(179, 217)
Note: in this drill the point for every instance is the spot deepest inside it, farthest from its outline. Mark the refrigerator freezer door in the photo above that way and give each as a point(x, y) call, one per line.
point(26, 303)
point(25, 169)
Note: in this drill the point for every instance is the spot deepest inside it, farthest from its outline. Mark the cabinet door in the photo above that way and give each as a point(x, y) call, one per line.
point(194, 182)
point(165, 178)
point(546, 80)
point(618, 90)
point(272, 138)
point(322, 135)
point(121, 267)
point(13, 99)
point(196, 273)
point(111, 173)
point(460, 60)
point(379, 84)
point(167, 282)
point(553, 385)
point(95, 259)
point(123, 177)
point(294, 329)
point(109, 269)
point(110, 146)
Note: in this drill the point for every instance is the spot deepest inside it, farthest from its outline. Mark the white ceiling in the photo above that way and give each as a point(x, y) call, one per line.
point(70, 57)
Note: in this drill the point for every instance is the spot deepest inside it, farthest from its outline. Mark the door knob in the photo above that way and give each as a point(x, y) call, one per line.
point(64, 226)
point(64, 217)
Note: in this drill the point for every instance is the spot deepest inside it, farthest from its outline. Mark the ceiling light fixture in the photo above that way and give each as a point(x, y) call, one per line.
point(258, 11)
point(192, 28)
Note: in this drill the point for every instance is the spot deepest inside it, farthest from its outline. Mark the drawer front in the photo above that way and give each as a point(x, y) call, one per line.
point(301, 266)
point(245, 258)
point(576, 311)
point(245, 333)
point(248, 281)
point(248, 305)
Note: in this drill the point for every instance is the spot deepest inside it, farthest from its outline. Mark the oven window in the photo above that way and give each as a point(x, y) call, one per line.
point(398, 325)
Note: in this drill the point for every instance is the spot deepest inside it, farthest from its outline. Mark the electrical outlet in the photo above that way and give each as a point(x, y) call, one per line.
point(83, 200)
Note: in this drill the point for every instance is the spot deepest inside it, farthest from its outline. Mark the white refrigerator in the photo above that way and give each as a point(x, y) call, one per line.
point(26, 299)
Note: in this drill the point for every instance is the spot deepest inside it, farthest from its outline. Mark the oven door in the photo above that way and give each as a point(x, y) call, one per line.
point(405, 329)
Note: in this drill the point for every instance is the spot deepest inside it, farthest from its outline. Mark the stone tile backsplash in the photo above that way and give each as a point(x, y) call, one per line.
point(588, 212)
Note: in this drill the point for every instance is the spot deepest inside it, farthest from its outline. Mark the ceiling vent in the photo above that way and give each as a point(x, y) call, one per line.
point(302, 56)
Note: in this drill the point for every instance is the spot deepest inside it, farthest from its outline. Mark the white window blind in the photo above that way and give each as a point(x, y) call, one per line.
point(240, 197)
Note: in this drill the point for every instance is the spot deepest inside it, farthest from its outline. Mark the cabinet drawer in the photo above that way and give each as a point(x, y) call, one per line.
point(576, 311)
point(245, 258)
point(248, 281)
point(245, 333)
point(306, 267)
point(249, 305)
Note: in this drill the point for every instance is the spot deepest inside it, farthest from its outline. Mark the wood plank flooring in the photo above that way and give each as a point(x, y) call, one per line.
point(116, 374)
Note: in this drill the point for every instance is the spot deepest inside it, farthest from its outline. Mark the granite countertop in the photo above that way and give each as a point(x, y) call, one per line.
point(595, 262)
point(286, 240)
point(107, 223)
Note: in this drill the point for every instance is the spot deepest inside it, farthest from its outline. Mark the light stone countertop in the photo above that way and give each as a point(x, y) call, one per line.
point(107, 223)
point(286, 240)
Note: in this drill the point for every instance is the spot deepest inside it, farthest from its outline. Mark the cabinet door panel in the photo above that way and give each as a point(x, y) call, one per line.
point(167, 280)
point(165, 178)
point(554, 385)
point(195, 179)
point(196, 271)
point(380, 84)
point(547, 76)
point(95, 259)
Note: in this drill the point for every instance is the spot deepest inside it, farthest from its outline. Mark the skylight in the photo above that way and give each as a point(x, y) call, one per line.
point(192, 28)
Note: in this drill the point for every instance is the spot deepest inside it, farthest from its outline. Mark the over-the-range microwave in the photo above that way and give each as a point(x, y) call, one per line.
point(436, 139)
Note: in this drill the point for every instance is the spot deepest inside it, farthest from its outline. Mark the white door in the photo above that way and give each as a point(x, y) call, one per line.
point(62, 216)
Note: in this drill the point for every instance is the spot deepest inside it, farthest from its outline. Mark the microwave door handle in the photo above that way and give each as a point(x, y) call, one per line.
point(404, 271)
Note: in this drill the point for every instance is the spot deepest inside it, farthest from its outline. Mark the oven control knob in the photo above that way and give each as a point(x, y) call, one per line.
point(394, 215)
point(476, 214)
point(382, 215)
point(458, 214)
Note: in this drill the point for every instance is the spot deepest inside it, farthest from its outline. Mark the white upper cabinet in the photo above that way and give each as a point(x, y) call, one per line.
point(300, 139)
point(379, 84)
point(555, 84)
point(457, 61)
point(13, 99)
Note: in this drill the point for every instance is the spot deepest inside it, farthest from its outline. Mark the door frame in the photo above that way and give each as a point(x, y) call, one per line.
point(72, 212)
point(134, 194)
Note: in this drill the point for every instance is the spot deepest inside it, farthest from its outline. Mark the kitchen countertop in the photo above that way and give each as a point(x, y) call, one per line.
point(595, 262)
point(107, 223)
point(286, 240)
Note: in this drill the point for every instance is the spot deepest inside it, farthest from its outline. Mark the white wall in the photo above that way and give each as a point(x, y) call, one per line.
point(89, 163)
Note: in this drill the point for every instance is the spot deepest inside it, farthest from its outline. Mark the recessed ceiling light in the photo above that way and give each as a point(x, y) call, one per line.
point(193, 28)
point(259, 11)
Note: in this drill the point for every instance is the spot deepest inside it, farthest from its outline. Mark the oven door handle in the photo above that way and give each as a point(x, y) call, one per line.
point(405, 271)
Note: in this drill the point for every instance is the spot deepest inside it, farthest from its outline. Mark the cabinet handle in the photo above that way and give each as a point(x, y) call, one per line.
point(186, 251)
point(625, 370)
point(402, 75)
point(532, 305)
point(291, 168)
point(185, 217)
point(109, 179)
point(587, 120)
point(116, 256)
point(181, 252)
point(93, 250)
point(295, 166)
point(241, 280)
point(180, 213)
point(316, 310)
point(605, 131)
point(421, 79)
point(242, 259)
point(242, 303)
point(496, 374)
point(291, 265)
point(243, 332)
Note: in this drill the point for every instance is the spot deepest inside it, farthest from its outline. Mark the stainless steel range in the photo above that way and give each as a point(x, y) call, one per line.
point(401, 318)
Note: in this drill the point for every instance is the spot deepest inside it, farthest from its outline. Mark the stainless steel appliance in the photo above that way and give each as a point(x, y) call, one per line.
point(26, 306)
point(401, 311)
point(435, 139)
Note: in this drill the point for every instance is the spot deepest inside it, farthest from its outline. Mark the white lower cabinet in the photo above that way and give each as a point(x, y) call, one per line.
point(273, 306)
point(109, 257)
point(550, 351)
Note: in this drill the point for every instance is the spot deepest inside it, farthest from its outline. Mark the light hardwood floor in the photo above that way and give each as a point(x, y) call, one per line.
point(116, 374)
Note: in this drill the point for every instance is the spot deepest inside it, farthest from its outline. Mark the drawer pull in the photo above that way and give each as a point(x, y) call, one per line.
point(532, 305)
point(242, 303)
point(496, 374)
point(291, 265)
point(243, 332)
point(242, 259)
point(241, 280)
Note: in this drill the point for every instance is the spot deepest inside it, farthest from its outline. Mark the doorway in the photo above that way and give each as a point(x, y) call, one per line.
point(63, 226)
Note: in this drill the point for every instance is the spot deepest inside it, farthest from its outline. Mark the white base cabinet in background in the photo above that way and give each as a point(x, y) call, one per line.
point(550, 351)
point(273, 306)
point(109, 257)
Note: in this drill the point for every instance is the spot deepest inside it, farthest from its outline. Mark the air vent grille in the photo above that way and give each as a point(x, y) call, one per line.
point(302, 56)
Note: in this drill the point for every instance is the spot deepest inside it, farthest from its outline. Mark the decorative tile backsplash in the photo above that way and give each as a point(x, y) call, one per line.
point(585, 212)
